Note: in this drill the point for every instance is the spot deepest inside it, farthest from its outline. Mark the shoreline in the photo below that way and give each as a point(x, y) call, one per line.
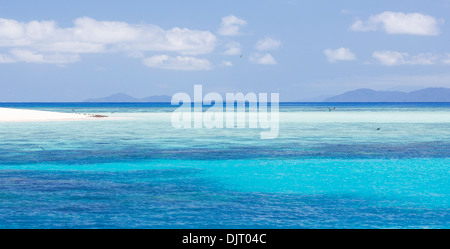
point(9, 115)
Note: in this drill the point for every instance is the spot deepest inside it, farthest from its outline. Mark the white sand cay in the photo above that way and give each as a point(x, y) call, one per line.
point(20, 115)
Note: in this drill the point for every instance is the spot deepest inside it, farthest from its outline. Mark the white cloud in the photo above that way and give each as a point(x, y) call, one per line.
point(267, 44)
point(72, 47)
point(89, 30)
point(227, 63)
point(10, 29)
point(177, 63)
point(47, 42)
point(264, 59)
point(340, 54)
point(231, 25)
point(44, 41)
point(21, 55)
point(233, 48)
point(394, 58)
point(389, 58)
point(399, 23)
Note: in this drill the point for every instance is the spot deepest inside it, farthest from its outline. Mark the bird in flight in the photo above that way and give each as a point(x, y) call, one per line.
point(37, 146)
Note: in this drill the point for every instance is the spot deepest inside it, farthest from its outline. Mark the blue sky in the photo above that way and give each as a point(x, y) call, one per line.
point(74, 50)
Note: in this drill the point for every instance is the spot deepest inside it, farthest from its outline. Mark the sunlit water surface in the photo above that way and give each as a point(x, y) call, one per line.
point(361, 166)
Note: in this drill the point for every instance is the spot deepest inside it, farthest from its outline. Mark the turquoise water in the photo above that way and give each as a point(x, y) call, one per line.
point(325, 170)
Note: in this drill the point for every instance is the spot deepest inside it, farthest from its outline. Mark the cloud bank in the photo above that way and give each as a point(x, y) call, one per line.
point(172, 49)
point(46, 42)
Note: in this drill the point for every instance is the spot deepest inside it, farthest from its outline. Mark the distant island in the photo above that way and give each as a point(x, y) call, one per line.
point(360, 95)
point(124, 98)
point(369, 95)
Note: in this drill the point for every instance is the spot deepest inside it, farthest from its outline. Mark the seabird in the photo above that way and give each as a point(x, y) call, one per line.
point(330, 109)
point(37, 146)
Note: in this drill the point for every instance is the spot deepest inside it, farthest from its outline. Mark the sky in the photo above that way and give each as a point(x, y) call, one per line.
point(69, 51)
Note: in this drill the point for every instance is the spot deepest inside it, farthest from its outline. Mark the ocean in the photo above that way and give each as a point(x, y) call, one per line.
point(364, 165)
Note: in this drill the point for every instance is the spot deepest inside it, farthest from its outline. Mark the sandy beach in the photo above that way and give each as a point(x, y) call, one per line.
point(21, 115)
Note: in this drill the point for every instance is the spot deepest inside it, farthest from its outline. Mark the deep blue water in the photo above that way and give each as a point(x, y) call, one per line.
point(325, 170)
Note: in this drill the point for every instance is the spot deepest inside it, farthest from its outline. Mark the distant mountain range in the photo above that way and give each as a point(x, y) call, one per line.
point(368, 95)
point(360, 95)
point(124, 98)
